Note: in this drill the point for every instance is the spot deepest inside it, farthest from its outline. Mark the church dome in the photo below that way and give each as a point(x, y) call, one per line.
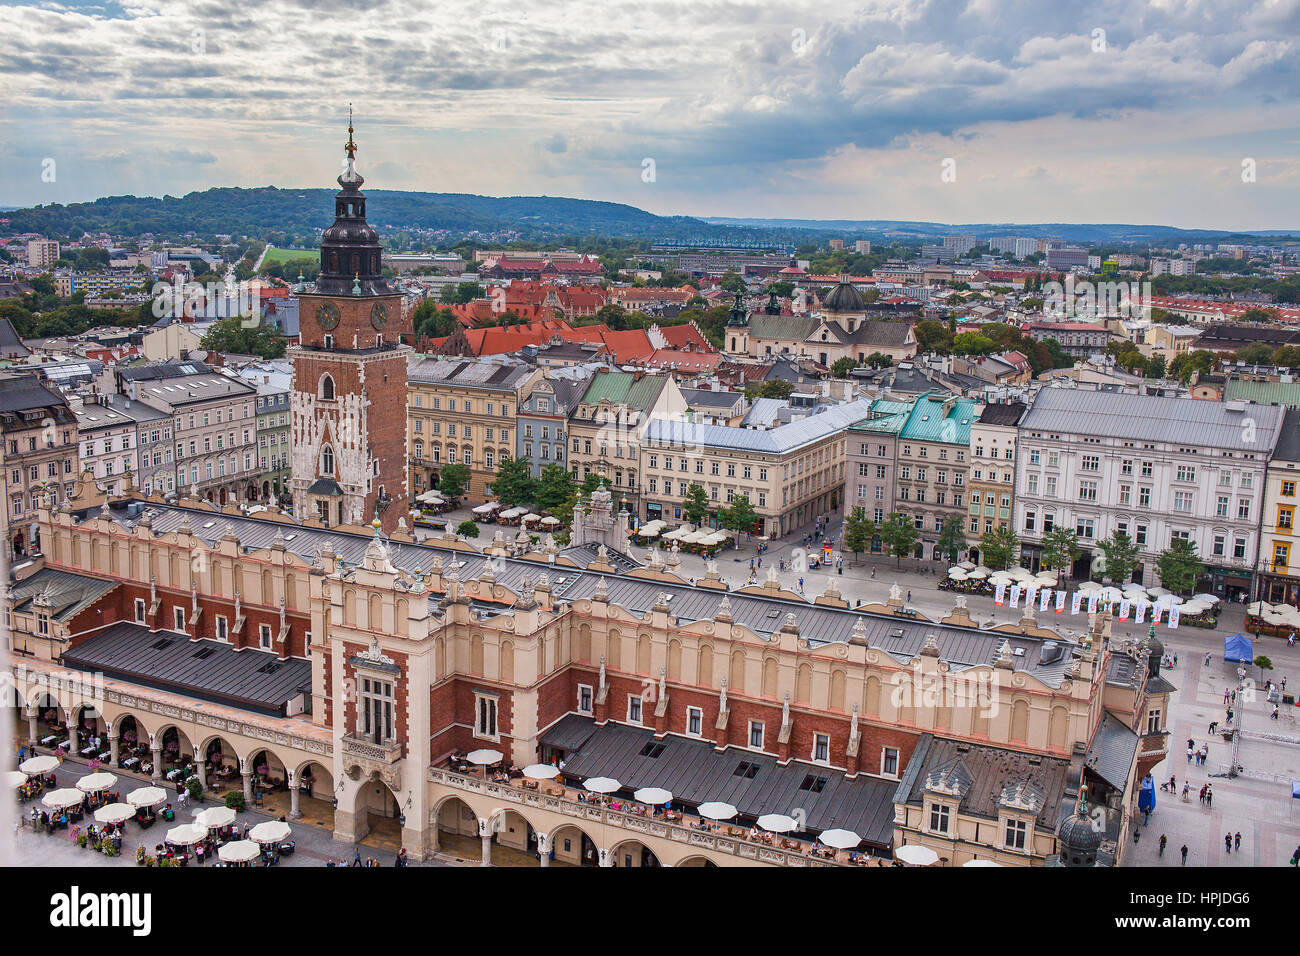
point(844, 297)
point(1079, 840)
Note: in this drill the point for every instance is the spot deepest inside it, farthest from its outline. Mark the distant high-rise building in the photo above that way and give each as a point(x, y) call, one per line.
point(837, 243)
point(862, 247)
point(1025, 246)
point(959, 244)
point(42, 253)
point(1067, 257)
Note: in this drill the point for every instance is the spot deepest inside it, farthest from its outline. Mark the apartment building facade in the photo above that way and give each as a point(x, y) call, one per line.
point(119, 437)
point(871, 454)
point(544, 407)
point(791, 474)
point(1151, 467)
point(1279, 549)
point(992, 470)
point(608, 425)
point(931, 480)
point(462, 412)
point(38, 431)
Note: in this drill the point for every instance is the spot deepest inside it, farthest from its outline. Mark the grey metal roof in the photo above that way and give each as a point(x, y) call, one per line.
point(1288, 439)
point(248, 679)
point(900, 637)
point(569, 733)
point(67, 593)
point(1184, 421)
point(774, 441)
point(487, 375)
point(985, 773)
point(1112, 751)
point(696, 773)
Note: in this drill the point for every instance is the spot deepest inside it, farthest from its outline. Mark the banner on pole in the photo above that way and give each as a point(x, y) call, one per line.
point(998, 593)
point(1015, 595)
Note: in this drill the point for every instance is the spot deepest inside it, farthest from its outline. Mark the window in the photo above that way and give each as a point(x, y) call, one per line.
point(485, 721)
point(1087, 491)
point(1243, 509)
point(694, 721)
point(327, 461)
point(889, 762)
point(1288, 488)
point(264, 637)
point(584, 698)
point(939, 818)
point(1183, 501)
point(223, 631)
point(756, 734)
point(327, 388)
point(1083, 527)
point(1186, 473)
point(376, 711)
point(139, 610)
point(1153, 721)
point(1015, 834)
point(178, 619)
point(821, 750)
point(633, 709)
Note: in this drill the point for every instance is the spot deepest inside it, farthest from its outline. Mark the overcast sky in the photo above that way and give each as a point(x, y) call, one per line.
point(767, 108)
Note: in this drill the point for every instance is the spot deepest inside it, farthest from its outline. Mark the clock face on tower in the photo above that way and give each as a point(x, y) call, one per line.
point(379, 316)
point(327, 316)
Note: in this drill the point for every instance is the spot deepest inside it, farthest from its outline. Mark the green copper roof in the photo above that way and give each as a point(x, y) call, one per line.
point(929, 421)
point(1263, 393)
point(624, 388)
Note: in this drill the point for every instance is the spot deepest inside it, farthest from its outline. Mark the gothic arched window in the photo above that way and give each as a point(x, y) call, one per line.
point(327, 388)
point(327, 461)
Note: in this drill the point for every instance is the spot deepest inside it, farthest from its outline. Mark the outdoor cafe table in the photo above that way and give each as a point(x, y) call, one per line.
point(131, 762)
point(48, 739)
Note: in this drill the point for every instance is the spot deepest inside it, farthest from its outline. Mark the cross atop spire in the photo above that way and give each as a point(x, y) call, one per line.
point(351, 146)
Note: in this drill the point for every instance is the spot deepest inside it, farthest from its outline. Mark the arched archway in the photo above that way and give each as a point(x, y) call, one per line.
point(375, 811)
point(697, 861)
point(457, 828)
point(633, 853)
point(514, 841)
point(220, 764)
point(314, 786)
point(177, 749)
point(571, 846)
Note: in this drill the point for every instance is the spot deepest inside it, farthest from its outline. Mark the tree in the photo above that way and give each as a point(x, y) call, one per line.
point(1060, 548)
point(1120, 553)
point(972, 343)
point(732, 282)
point(952, 540)
point(858, 531)
point(695, 506)
point(772, 388)
point(879, 360)
point(739, 515)
point(840, 368)
point(453, 480)
point(999, 547)
point(513, 483)
point(552, 488)
point(899, 535)
point(1179, 566)
point(1264, 663)
point(1287, 356)
point(1256, 353)
point(230, 335)
point(467, 529)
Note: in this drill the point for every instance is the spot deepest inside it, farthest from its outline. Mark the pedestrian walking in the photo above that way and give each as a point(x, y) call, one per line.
point(1183, 851)
point(1189, 753)
point(1284, 684)
point(1209, 795)
point(1227, 843)
point(1202, 796)
point(1273, 715)
point(1137, 832)
point(1207, 658)
point(909, 595)
point(1173, 784)
point(1163, 840)
point(1295, 857)
point(1236, 841)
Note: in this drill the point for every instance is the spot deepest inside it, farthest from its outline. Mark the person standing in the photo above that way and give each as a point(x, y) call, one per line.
point(1183, 851)
point(1227, 843)
point(1209, 795)
point(1236, 841)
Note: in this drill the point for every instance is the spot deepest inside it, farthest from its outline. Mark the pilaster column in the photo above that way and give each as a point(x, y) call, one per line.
point(247, 774)
point(114, 743)
point(294, 812)
point(485, 836)
point(606, 859)
point(155, 752)
point(74, 743)
point(544, 848)
point(31, 728)
point(200, 768)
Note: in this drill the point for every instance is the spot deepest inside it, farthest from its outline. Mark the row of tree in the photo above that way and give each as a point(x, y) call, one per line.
point(1179, 566)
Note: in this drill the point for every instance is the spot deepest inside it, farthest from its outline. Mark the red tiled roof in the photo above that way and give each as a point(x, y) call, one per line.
point(679, 336)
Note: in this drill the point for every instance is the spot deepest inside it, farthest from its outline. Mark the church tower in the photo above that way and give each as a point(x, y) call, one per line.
point(349, 376)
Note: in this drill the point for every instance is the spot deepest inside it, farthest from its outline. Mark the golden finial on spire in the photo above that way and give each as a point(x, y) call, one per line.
point(351, 147)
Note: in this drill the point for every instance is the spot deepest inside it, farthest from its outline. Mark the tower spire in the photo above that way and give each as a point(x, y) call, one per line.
point(351, 146)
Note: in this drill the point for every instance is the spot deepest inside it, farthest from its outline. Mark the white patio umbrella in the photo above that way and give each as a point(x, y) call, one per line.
point(214, 817)
point(548, 520)
point(63, 798)
point(541, 771)
point(840, 839)
point(483, 758)
point(602, 785)
point(1254, 607)
point(114, 813)
point(980, 567)
point(14, 778)
point(186, 834)
point(655, 796)
point(1020, 574)
point(913, 854)
point(778, 822)
point(1109, 595)
point(1159, 592)
point(1207, 598)
point(37, 765)
point(966, 565)
point(239, 851)
point(1090, 586)
point(272, 831)
point(1173, 599)
point(976, 863)
point(978, 574)
point(956, 574)
point(96, 782)
point(1194, 607)
point(143, 797)
point(716, 810)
